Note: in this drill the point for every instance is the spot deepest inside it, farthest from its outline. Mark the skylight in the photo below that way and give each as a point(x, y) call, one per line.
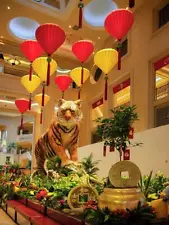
point(96, 11)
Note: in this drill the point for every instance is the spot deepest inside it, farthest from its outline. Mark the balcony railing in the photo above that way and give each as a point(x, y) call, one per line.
point(162, 92)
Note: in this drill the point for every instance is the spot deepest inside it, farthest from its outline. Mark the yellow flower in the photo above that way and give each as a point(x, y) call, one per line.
point(152, 196)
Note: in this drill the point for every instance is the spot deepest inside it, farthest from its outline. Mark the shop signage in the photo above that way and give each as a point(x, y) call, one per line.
point(161, 63)
point(98, 103)
point(121, 86)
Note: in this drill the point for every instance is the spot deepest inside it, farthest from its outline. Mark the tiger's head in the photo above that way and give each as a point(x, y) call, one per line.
point(69, 112)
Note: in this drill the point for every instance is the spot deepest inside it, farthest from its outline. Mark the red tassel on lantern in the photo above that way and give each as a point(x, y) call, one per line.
point(131, 3)
point(111, 148)
point(63, 94)
point(43, 95)
point(126, 154)
point(119, 55)
point(41, 116)
point(104, 150)
point(82, 73)
point(30, 72)
point(80, 6)
point(21, 126)
point(30, 101)
point(106, 88)
point(48, 71)
point(79, 93)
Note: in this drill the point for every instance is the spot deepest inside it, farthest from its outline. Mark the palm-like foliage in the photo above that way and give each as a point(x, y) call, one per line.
point(90, 166)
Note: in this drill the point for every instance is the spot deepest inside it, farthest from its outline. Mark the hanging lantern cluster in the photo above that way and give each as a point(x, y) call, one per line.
point(82, 50)
point(49, 38)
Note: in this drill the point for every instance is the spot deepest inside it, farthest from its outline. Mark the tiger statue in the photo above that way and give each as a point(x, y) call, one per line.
point(61, 135)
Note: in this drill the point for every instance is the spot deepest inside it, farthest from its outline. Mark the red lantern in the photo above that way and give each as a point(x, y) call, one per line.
point(82, 50)
point(31, 50)
point(50, 37)
point(117, 24)
point(23, 105)
point(63, 82)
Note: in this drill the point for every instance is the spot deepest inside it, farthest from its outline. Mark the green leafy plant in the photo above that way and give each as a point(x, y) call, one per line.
point(90, 166)
point(115, 131)
point(140, 215)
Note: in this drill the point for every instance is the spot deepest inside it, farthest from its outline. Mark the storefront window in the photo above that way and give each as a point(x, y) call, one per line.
point(121, 94)
point(162, 78)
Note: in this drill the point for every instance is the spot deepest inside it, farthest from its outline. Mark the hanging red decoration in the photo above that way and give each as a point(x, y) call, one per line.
point(126, 154)
point(23, 105)
point(131, 133)
point(82, 50)
point(117, 24)
point(63, 82)
point(131, 3)
point(80, 6)
point(31, 50)
point(50, 37)
point(104, 150)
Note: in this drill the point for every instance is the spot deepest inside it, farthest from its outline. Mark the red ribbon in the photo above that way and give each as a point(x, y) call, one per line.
point(106, 88)
point(41, 116)
point(43, 95)
point(79, 92)
point(30, 72)
point(104, 150)
point(30, 101)
point(48, 72)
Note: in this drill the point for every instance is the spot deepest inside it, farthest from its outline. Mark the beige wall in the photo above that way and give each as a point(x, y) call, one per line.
point(152, 155)
point(145, 47)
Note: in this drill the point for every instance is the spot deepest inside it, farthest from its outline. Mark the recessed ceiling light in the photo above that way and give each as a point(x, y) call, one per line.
point(70, 26)
point(8, 7)
point(98, 37)
point(2, 37)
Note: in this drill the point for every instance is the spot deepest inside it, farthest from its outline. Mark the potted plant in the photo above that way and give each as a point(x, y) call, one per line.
point(11, 148)
point(117, 130)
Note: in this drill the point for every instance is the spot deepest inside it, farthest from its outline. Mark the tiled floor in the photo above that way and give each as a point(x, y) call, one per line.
point(6, 220)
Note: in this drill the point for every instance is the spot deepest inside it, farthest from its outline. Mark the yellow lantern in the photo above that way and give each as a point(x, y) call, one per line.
point(106, 59)
point(30, 85)
point(38, 99)
point(40, 66)
point(77, 78)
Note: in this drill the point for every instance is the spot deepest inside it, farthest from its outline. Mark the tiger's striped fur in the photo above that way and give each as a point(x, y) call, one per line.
point(61, 135)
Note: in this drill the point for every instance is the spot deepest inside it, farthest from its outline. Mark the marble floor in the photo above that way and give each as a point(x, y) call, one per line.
point(6, 220)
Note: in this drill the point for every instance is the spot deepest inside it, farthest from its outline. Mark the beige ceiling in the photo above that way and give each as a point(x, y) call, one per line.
point(66, 18)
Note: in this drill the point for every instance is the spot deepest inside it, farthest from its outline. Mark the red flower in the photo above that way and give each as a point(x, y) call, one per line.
point(62, 201)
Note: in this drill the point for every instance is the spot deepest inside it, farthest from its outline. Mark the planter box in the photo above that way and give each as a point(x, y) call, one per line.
point(63, 218)
point(36, 206)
